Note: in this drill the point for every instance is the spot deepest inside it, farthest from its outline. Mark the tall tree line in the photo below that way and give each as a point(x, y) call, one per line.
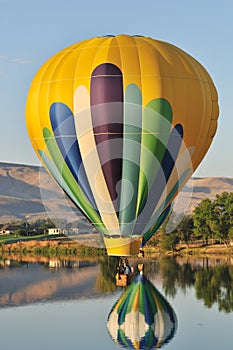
point(209, 221)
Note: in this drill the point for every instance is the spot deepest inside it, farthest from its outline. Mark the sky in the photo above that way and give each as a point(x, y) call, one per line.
point(33, 31)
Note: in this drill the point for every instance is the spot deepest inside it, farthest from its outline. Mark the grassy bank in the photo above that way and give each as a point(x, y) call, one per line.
point(209, 249)
point(46, 246)
point(215, 249)
point(10, 239)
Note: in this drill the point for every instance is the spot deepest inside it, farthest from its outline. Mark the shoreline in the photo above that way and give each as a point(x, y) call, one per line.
point(49, 248)
point(58, 248)
point(195, 251)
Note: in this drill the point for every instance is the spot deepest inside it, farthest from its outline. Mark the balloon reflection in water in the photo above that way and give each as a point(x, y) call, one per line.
point(142, 318)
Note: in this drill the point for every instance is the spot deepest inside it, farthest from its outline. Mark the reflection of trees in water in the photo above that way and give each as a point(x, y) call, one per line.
point(213, 284)
point(105, 281)
point(212, 280)
point(176, 275)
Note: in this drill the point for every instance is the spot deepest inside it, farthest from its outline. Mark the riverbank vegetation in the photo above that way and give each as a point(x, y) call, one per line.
point(208, 230)
point(59, 247)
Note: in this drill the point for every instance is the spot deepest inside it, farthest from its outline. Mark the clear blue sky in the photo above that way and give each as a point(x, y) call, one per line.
point(32, 31)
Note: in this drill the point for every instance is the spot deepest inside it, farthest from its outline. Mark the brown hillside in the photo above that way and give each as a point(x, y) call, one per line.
point(28, 191)
point(198, 189)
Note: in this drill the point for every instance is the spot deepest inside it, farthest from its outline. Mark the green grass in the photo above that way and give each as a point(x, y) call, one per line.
point(14, 239)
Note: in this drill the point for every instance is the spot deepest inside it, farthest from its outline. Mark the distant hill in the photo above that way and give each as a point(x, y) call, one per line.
point(29, 192)
point(198, 189)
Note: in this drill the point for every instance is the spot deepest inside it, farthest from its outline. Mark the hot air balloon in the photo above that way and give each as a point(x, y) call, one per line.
point(121, 122)
point(142, 318)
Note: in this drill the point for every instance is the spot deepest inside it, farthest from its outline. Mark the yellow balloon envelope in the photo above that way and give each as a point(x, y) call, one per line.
point(121, 122)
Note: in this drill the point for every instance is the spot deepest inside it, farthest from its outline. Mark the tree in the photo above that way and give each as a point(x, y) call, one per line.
point(202, 219)
point(167, 241)
point(223, 217)
point(185, 228)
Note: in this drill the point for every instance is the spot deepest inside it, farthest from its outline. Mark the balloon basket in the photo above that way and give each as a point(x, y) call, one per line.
point(122, 280)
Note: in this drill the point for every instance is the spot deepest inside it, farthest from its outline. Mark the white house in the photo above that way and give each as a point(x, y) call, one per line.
point(54, 231)
point(6, 230)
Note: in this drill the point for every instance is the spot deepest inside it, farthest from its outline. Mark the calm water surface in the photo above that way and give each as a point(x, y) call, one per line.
point(176, 304)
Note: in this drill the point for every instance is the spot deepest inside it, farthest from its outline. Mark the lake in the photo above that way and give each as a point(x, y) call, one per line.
point(178, 304)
